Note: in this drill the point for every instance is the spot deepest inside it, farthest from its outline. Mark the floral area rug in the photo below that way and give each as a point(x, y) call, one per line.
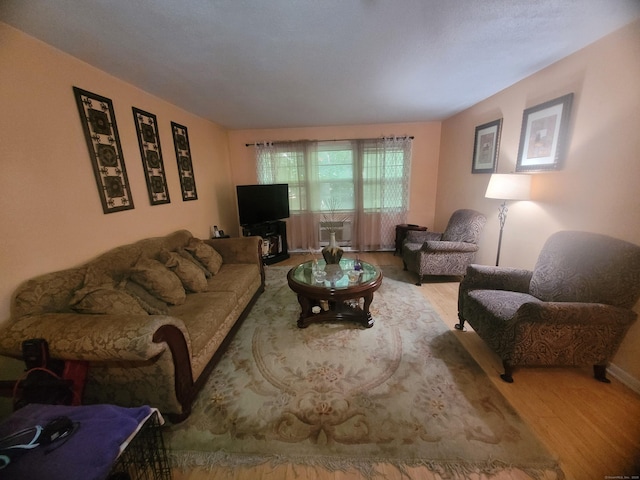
point(340, 396)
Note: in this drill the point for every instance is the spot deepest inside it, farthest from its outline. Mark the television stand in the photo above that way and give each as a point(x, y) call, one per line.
point(274, 240)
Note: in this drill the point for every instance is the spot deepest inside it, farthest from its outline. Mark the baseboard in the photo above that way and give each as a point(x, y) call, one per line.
point(630, 381)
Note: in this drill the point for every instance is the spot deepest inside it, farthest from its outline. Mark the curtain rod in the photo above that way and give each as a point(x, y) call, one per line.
point(332, 140)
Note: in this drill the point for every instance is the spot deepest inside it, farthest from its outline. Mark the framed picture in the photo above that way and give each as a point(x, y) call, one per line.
point(151, 153)
point(543, 137)
point(101, 133)
point(486, 146)
point(185, 166)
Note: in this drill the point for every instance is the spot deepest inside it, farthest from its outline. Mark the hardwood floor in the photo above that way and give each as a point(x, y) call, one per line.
point(593, 428)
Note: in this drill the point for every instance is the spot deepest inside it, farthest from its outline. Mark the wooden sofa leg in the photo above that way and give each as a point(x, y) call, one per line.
point(600, 373)
point(419, 282)
point(460, 326)
point(507, 376)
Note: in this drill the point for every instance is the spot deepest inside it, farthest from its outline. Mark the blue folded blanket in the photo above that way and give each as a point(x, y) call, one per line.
point(88, 453)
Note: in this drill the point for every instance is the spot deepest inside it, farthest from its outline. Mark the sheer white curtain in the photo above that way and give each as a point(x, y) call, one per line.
point(383, 188)
point(378, 177)
point(289, 162)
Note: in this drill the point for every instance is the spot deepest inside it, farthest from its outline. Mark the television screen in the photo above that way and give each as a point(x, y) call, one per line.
point(262, 203)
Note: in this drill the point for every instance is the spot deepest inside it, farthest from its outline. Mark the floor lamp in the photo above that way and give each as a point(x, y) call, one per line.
point(507, 186)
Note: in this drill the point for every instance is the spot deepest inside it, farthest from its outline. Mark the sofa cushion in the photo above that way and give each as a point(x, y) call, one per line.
point(151, 304)
point(185, 254)
point(105, 300)
point(158, 280)
point(192, 278)
point(235, 277)
point(206, 254)
point(203, 314)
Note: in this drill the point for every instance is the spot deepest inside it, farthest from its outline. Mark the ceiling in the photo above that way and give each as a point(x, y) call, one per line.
point(292, 63)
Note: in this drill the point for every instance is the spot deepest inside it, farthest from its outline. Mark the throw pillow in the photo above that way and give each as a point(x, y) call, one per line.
point(191, 276)
point(183, 253)
point(151, 304)
point(158, 280)
point(206, 254)
point(105, 300)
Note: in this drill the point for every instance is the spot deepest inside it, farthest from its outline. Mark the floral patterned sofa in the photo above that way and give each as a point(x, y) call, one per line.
point(149, 317)
point(574, 308)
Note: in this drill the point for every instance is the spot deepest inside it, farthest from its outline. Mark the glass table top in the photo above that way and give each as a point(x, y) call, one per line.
point(336, 276)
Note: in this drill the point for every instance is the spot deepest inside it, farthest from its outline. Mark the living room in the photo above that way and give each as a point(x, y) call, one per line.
point(53, 218)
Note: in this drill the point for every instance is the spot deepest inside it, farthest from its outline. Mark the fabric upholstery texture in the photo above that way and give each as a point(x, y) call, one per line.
point(151, 304)
point(105, 300)
point(446, 253)
point(158, 280)
point(185, 254)
point(574, 308)
point(128, 366)
point(206, 254)
point(192, 277)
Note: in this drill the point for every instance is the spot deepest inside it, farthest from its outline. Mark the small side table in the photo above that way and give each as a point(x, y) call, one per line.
point(401, 233)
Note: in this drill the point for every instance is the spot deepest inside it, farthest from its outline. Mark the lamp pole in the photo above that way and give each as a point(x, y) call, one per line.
point(502, 217)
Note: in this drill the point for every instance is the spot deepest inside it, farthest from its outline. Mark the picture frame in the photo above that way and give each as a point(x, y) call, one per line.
point(151, 154)
point(185, 165)
point(486, 147)
point(105, 151)
point(543, 137)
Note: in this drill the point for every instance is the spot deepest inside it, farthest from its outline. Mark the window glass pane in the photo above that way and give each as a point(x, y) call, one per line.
point(335, 172)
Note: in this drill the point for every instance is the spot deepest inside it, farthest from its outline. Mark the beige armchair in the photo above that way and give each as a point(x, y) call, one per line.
point(574, 308)
point(447, 253)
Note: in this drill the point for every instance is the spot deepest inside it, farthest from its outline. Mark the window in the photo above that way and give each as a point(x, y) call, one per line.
point(355, 177)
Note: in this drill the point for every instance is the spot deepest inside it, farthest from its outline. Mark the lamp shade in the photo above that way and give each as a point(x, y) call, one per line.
point(509, 186)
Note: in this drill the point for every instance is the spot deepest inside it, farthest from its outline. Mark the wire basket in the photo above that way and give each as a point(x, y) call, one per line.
point(145, 458)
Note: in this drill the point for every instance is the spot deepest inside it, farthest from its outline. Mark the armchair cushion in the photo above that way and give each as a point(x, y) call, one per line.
point(573, 267)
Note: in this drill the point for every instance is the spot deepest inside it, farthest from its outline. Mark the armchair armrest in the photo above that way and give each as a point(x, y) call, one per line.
point(419, 236)
point(574, 313)
point(73, 336)
point(448, 247)
point(496, 278)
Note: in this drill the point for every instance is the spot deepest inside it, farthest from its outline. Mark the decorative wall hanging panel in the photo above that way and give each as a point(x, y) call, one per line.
point(185, 166)
point(151, 153)
point(543, 138)
point(101, 133)
point(486, 146)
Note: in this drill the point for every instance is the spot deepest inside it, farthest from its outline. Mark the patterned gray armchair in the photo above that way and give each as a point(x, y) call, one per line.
point(574, 308)
point(447, 253)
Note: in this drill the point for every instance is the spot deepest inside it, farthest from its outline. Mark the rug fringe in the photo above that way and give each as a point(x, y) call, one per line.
point(455, 469)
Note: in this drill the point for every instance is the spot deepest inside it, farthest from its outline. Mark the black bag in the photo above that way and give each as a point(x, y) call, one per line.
point(42, 382)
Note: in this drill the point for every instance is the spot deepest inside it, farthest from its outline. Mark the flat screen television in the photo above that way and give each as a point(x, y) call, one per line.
point(262, 203)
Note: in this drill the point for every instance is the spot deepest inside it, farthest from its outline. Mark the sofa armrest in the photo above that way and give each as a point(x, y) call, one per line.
point(102, 338)
point(496, 278)
point(238, 249)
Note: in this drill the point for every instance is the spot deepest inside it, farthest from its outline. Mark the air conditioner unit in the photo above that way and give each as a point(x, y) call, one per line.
point(342, 229)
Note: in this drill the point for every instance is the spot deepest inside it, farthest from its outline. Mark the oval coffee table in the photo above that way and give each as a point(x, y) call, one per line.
point(335, 297)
